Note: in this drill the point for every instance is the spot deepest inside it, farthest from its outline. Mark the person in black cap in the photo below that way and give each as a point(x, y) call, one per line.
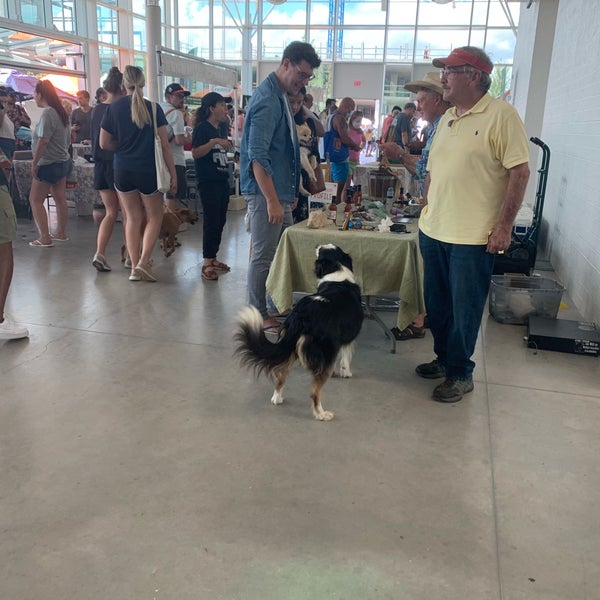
point(209, 150)
point(175, 95)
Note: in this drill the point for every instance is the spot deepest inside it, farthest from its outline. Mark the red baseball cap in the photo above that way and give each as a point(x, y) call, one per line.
point(459, 57)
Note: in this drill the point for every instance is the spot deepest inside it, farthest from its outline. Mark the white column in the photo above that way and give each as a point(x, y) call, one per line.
point(153, 42)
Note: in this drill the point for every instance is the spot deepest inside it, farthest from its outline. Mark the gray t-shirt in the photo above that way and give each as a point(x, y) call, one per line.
point(58, 135)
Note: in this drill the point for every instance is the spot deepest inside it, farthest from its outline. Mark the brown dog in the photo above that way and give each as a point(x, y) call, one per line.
point(172, 219)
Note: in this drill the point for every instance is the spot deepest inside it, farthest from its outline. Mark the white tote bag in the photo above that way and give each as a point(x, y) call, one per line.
point(163, 177)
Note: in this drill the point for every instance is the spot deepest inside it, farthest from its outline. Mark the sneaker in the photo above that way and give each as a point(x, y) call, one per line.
point(9, 330)
point(145, 272)
point(452, 390)
point(431, 370)
point(100, 263)
point(135, 275)
point(127, 263)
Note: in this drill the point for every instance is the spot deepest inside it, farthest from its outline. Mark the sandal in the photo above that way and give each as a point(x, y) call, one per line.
point(59, 239)
point(39, 244)
point(411, 332)
point(209, 273)
point(220, 266)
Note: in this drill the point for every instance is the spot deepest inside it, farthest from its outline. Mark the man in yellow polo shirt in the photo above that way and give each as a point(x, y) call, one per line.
point(478, 171)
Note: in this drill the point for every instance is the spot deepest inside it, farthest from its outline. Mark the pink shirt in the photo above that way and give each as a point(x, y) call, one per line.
point(357, 138)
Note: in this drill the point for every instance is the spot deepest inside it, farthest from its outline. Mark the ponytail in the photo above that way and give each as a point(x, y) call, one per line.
point(133, 79)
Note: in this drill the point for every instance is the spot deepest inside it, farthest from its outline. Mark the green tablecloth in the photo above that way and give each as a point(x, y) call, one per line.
point(384, 263)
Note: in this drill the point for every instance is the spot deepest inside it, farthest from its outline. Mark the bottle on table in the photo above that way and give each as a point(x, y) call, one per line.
point(389, 195)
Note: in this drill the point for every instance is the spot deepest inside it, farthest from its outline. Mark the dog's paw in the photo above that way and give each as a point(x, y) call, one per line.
point(345, 373)
point(276, 398)
point(324, 415)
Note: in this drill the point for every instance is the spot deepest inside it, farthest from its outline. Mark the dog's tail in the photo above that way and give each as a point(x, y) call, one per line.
point(253, 347)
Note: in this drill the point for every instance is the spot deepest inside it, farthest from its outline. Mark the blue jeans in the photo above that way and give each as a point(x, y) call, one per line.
point(456, 281)
point(265, 237)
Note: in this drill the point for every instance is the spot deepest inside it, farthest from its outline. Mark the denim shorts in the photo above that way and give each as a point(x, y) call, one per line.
point(8, 219)
point(131, 181)
point(54, 172)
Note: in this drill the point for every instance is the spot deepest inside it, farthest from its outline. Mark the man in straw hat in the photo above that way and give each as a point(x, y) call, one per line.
point(478, 171)
point(432, 106)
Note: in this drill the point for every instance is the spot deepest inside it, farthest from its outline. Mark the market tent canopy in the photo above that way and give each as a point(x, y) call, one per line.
point(25, 84)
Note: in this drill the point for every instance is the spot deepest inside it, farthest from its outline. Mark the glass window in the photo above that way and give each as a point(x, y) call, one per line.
point(433, 43)
point(139, 34)
point(361, 44)
point(497, 16)
point(292, 12)
point(477, 38)
point(402, 12)
point(227, 44)
point(139, 60)
point(275, 40)
point(139, 7)
point(195, 12)
point(109, 57)
point(480, 12)
point(322, 12)
point(400, 44)
point(500, 45)
point(457, 12)
point(322, 41)
point(195, 42)
point(396, 77)
point(32, 12)
point(361, 12)
point(63, 16)
point(108, 29)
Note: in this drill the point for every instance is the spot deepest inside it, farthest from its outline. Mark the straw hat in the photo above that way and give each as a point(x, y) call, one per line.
point(431, 81)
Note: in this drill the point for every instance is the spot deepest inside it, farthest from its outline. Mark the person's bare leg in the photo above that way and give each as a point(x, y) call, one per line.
point(6, 273)
point(107, 225)
point(59, 193)
point(154, 206)
point(132, 206)
point(37, 196)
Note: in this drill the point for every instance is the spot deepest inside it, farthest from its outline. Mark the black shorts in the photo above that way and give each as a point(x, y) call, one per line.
point(130, 181)
point(181, 193)
point(54, 172)
point(104, 177)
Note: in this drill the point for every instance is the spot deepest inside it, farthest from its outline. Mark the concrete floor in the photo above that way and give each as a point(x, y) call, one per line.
point(138, 461)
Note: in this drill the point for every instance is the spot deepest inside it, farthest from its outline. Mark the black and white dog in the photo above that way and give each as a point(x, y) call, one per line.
point(320, 327)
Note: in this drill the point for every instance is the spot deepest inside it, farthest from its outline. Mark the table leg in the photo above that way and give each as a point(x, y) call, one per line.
point(371, 314)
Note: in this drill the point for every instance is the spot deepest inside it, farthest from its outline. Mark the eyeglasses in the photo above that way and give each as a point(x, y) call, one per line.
point(454, 71)
point(304, 76)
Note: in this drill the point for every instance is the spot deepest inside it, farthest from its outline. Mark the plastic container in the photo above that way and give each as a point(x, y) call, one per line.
point(513, 299)
point(379, 184)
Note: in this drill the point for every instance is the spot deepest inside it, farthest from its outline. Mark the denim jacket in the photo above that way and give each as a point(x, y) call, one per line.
point(267, 140)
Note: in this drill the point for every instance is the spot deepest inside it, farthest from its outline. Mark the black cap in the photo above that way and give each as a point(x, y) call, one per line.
point(213, 98)
point(175, 88)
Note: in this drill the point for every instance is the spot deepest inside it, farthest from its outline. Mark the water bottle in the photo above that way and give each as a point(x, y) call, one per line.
point(389, 195)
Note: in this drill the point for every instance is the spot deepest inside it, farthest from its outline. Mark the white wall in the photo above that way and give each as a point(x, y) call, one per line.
point(571, 128)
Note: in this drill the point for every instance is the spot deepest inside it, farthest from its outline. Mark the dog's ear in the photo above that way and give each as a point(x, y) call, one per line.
point(345, 259)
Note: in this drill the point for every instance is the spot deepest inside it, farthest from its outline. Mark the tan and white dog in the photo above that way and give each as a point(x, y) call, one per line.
point(307, 159)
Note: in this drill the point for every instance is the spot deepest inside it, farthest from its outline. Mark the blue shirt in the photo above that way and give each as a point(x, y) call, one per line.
point(269, 138)
point(421, 166)
point(135, 146)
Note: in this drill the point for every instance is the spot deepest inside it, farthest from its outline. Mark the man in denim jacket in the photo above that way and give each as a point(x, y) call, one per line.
point(270, 164)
